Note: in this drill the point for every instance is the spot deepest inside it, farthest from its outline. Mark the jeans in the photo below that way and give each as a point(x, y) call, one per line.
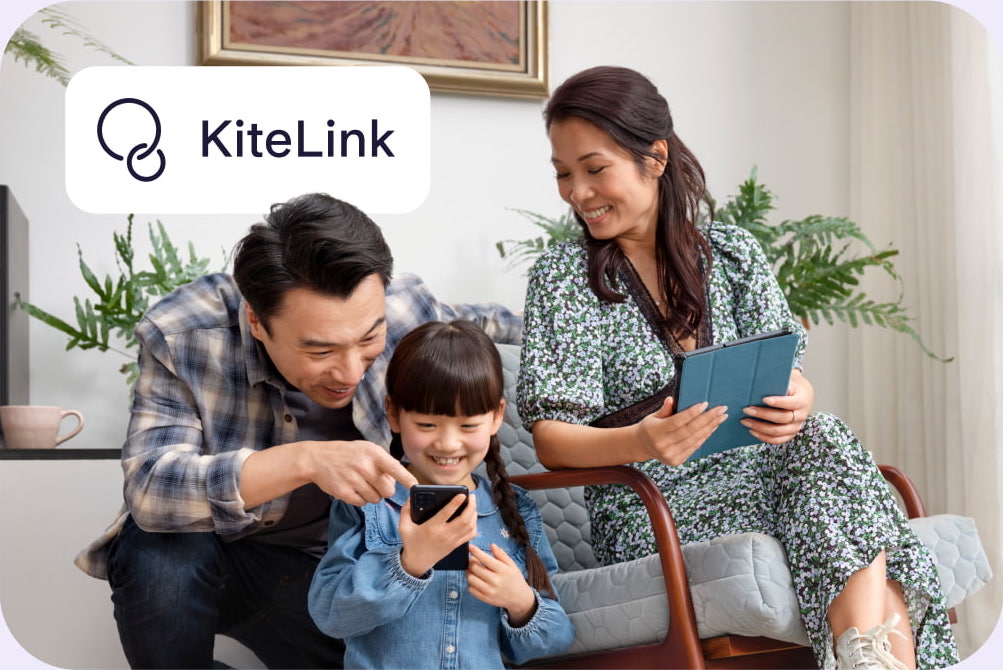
point(173, 592)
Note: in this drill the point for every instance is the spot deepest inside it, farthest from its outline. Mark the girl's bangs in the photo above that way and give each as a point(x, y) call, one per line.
point(450, 376)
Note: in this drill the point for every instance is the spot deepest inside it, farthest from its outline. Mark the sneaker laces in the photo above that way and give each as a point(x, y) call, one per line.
point(871, 650)
point(882, 645)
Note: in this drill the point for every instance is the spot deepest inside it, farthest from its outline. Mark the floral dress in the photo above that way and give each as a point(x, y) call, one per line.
point(820, 494)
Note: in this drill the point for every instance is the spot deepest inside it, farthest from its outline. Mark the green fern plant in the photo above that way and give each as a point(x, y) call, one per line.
point(108, 321)
point(561, 229)
point(818, 260)
point(27, 47)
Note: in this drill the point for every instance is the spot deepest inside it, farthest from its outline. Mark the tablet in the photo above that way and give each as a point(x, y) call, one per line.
point(738, 374)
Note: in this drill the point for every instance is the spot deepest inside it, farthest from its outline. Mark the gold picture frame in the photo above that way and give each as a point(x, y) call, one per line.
point(485, 59)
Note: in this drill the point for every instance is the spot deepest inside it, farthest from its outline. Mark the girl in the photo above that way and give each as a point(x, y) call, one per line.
point(377, 586)
point(604, 320)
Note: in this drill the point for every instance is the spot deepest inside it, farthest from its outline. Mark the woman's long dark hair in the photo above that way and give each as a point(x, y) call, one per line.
point(454, 369)
point(629, 108)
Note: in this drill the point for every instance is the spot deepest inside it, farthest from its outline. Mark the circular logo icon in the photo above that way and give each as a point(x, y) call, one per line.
point(141, 150)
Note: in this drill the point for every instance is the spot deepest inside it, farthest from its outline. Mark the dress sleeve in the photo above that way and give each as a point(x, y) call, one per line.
point(758, 302)
point(560, 372)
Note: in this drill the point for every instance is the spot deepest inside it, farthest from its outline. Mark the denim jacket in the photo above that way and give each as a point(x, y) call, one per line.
point(390, 619)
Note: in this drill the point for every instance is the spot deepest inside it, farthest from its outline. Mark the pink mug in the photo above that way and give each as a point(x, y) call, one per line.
point(36, 426)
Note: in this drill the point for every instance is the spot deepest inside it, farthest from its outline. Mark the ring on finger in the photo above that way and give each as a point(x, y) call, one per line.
point(793, 417)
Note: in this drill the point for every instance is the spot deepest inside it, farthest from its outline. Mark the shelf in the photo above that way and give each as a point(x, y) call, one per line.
point(59, 454)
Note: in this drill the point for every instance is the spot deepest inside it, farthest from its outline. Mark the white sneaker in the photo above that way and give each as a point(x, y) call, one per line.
point(870, 650)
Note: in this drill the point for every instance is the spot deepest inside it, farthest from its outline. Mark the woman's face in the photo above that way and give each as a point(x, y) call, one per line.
point(602, 181)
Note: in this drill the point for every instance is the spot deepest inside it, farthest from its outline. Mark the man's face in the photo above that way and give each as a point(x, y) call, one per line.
point(323, 345)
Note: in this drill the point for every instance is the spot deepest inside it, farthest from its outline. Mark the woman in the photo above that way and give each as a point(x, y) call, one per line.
point(604, 318)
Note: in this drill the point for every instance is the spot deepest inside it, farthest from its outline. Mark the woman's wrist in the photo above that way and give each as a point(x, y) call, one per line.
point(639, 446)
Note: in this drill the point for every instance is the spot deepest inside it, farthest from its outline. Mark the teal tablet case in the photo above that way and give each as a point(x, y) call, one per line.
point(738, 374)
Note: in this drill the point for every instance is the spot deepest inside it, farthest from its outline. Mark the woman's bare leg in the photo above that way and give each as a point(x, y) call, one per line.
point(903, 647)
point(867, 600)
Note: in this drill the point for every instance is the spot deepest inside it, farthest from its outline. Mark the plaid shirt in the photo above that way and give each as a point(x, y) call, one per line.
point(207, 397)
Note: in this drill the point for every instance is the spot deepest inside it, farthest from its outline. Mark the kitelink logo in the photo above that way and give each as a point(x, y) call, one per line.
point(236, 140)
point(140, 151)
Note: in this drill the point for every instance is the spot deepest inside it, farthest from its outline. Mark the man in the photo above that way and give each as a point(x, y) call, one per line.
point(259, 396)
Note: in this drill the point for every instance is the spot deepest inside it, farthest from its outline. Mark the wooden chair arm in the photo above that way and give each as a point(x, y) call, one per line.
point(914, 507)
point(681, 647)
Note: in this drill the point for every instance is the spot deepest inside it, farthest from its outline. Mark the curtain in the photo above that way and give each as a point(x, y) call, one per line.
point(925, 177)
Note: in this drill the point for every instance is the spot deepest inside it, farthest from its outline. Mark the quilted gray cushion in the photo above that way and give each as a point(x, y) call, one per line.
point(740, 584)
point(615, 605)
point(957, 549)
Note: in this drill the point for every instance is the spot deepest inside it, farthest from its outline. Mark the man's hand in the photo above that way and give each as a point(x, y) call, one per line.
point(356, 472)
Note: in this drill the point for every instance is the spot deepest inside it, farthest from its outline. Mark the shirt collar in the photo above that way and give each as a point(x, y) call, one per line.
point(259, 365)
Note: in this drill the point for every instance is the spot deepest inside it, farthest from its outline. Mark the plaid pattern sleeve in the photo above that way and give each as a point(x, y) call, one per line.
point(204, 401)
point(202, 404)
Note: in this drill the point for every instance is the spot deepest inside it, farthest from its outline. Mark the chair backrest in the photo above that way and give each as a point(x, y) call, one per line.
point(564, 512)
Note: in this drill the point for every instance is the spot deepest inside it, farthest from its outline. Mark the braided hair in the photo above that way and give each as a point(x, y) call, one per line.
point(454, 369)
point(504, 497)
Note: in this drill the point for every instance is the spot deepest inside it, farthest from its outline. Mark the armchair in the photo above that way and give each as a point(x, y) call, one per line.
point(726, 603)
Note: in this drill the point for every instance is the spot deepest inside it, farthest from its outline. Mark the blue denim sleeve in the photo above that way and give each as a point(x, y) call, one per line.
point(355, 590)
point(549, 631)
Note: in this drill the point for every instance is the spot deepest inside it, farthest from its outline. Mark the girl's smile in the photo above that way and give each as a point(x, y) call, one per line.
point(444, 449)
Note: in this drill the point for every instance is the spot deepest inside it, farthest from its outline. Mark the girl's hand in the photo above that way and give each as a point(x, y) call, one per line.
point(495, 579)
point(785, 415)
point(672, 438)
point(426, 544)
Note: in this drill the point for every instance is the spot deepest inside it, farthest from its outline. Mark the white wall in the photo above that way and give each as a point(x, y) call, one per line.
point(726, 68)
point(749, 83)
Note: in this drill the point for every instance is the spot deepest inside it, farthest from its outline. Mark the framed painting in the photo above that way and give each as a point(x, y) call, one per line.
point(486, 48)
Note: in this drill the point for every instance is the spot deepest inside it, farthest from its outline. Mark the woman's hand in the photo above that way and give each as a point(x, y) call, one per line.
point(672, 438)
point(785, 415)
point(425, 544)
point(495, 579)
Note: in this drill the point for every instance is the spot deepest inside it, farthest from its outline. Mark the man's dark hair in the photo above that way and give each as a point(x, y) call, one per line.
point(314, 242)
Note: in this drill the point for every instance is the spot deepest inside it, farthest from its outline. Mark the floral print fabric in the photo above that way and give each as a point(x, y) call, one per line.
point(820, 494)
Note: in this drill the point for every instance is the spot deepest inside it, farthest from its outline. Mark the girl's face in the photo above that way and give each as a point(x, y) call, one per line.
point(603, 182)
point(445, 449)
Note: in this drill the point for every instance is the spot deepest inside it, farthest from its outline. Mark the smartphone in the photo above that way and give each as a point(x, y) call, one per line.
point(426, 501)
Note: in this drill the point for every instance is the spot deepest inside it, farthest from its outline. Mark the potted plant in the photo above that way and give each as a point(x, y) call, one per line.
point(818, 260)
point(120, 302)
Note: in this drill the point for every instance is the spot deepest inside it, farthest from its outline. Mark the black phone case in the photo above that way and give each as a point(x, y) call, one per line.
point(426, 501)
